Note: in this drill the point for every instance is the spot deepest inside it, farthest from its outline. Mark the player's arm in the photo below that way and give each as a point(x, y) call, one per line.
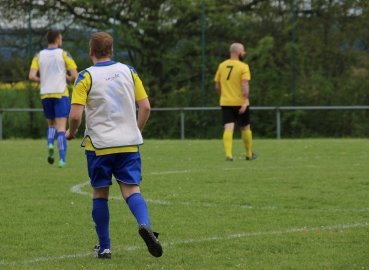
point(246, 77)
point(79, 97)
point(245, 94)
point(245, 90)
point(71, 67)
point(73, 75)
point(142, 100)
point(218, 87)
point(75, 119)
point(32, 76)
point(143, 113)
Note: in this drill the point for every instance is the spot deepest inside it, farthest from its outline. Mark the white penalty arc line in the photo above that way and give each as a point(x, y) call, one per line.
point(200, 240)
point(78, 190)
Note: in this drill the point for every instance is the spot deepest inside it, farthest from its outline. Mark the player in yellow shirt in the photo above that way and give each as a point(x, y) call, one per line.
point(52, 65)
point(232, 83)
point(108, 92)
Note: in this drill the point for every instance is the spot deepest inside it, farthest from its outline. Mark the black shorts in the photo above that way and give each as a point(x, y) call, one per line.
point(230, 115)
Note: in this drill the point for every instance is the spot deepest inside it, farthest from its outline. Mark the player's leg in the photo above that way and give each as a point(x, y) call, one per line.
point(227, 140)
point(100, 173)
point(101, 218)
point(128, 174)
point(247, 140)
point(136, 203)
point(228, 123)
point(244, 122)
point(62, 109)
point(138, 207)
point(51, 132)
point(62, 141)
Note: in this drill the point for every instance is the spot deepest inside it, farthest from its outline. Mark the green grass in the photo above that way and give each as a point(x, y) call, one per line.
point(303, 204)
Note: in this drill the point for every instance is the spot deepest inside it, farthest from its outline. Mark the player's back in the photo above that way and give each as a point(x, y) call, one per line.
point(52, 70)
point(231, 72)
point(110, 108)
point(230, 75)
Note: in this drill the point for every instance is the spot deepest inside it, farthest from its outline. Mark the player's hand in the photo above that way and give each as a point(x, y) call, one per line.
point(69, 136)
point(242, 109)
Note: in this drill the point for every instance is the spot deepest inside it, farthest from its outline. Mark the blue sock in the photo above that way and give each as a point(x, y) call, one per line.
point(138, 207)
point(101, 217)
point(50, 135)
point(62, 145)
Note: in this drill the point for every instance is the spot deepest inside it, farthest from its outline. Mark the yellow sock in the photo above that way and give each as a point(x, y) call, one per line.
point(247, 141)
point(227, 141)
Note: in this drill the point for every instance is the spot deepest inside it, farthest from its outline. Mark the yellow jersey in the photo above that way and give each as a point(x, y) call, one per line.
point(230, 74)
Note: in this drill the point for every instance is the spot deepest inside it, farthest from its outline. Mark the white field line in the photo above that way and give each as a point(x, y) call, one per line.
point(242, 168)
point(268, 168)
point(350, 210)
point(230, 169)
point(78, 190)
point(199, 240)
point(177, 172)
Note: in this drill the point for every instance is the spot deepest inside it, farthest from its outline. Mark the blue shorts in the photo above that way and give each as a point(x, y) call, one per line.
point(126, 168)
point(56, 107)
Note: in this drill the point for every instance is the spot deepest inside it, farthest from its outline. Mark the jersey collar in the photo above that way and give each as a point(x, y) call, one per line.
point(106, 63)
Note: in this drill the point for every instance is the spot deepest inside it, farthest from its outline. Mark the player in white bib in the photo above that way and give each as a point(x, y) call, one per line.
point(108, 92)
point(52, 65)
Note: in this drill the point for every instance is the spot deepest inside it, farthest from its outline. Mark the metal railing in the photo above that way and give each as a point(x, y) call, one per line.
point(183, 109)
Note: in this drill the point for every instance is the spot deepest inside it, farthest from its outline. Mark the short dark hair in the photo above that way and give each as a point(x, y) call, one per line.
point(52, 35)
point(101, 44)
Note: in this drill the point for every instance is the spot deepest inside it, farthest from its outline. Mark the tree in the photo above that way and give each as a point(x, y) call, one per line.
point(162, 40)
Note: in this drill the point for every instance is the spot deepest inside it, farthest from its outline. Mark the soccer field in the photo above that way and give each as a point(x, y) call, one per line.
point(303, 204)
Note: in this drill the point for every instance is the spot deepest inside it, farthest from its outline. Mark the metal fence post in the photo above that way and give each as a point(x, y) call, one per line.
point(278, 123)
point(182, 124)
point(1, 125)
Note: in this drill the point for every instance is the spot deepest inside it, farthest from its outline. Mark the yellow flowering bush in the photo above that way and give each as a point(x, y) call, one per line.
point(18, 85)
